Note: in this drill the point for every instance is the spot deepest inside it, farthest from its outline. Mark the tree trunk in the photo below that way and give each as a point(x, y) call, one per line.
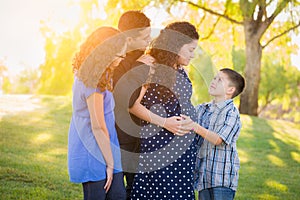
point(249, 98)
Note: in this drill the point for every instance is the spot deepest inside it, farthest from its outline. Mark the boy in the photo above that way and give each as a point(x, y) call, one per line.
point(217, 162)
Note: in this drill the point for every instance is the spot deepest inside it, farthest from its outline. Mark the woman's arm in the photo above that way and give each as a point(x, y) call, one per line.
point(95, 104)
point(172, 124)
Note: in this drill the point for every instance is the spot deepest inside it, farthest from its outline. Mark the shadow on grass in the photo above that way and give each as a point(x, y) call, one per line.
point(269, 169)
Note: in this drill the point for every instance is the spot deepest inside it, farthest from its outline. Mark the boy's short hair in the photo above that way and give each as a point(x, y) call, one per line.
point(236, 79)
point(133, 19)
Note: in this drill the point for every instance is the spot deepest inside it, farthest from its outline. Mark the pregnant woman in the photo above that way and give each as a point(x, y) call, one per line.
point(167, 159)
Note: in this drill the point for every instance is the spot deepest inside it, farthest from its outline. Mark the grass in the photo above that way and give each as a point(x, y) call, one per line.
point(33, 147)
point(270, 159)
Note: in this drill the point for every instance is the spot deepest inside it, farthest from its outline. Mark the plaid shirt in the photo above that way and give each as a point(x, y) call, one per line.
point(217, 166)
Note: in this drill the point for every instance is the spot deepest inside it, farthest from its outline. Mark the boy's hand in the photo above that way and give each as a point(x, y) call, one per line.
point(187, 122)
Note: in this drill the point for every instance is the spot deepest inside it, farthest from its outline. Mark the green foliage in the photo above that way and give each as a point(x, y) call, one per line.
point(279, 86)
point(279, 89)
point(233, 10)
point(272, 72)
point(201, 72)
point(3, 68)
point(3, 77)
point(238, 59)
point(56, 72)
point(26, 82)
point(6, 85)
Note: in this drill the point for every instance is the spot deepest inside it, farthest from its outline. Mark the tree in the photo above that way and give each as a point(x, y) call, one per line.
point(256, 17)
point(279, 86)
point(280, 100)
point(56, 71)
point(26, 82)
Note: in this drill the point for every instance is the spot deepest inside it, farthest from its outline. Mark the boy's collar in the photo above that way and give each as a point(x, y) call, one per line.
point(222, 104)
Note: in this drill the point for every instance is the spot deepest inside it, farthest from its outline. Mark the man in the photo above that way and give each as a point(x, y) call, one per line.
point(136, 26)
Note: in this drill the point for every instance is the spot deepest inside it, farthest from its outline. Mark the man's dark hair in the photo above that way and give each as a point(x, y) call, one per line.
point(236, 79)
point(133, 19)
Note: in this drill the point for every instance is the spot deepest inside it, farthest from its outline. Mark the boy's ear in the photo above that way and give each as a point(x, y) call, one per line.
point(230, 90)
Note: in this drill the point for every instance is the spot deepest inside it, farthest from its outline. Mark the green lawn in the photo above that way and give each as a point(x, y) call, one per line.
point(33, 147)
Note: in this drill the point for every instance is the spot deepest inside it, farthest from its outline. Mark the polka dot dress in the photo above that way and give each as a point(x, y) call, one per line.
point(167, 161)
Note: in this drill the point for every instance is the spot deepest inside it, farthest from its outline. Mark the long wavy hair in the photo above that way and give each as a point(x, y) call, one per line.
point(92, 64)
point(165, 49)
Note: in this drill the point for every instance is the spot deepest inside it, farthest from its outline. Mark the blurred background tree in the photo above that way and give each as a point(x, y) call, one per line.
point(3, 77)
point(56, 72)
point(224, 42)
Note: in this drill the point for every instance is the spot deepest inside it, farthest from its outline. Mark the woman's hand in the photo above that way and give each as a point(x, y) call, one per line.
point(177, 126)
point(109, 178)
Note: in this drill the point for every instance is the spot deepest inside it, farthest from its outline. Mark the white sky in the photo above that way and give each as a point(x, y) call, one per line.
point(21, 43)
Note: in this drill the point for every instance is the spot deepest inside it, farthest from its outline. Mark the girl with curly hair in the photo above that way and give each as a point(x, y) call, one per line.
point(93, 148)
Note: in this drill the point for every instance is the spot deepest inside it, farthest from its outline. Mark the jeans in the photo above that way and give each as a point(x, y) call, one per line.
point(130, 165)
point(217, 193)
point(94, 190)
